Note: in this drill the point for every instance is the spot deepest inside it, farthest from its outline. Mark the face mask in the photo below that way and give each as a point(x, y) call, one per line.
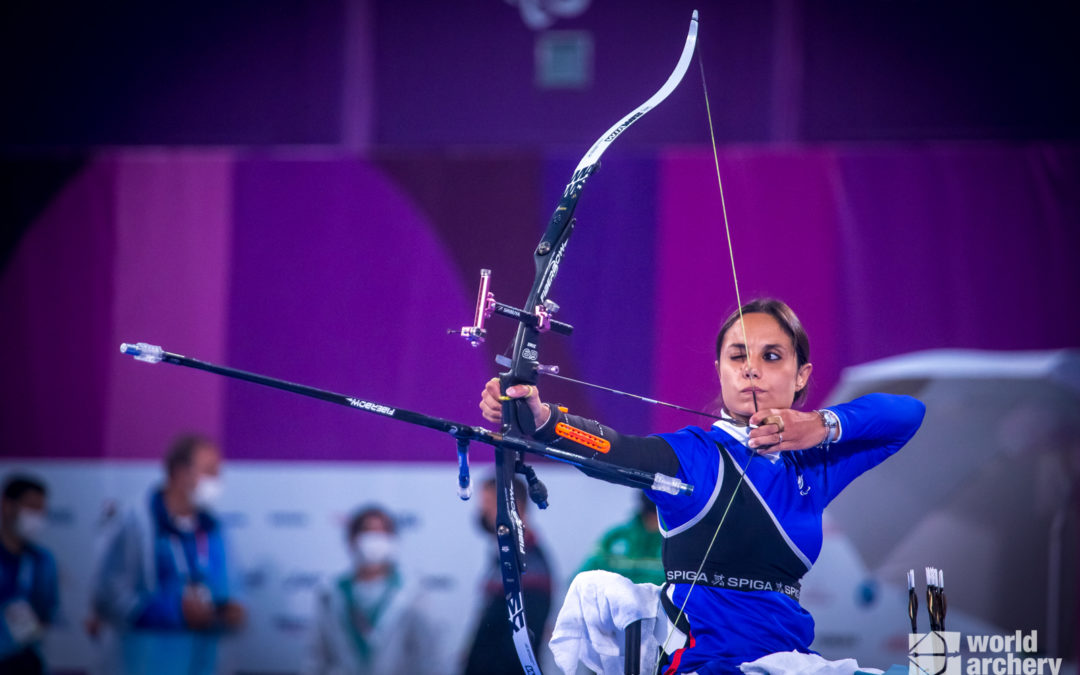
point(29, 524)
point(208, 492)
point(374, 548)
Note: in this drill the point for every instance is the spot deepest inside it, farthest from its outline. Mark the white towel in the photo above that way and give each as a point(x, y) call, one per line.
point(590, 627)
point(797, 663)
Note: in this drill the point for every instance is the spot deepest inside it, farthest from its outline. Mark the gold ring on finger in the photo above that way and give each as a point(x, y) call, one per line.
point(777, 420)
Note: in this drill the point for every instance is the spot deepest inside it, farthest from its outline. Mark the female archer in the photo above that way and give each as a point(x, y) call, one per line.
point(735, 550)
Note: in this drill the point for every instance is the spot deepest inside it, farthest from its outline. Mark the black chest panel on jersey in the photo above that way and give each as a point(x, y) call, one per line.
point(750, 553)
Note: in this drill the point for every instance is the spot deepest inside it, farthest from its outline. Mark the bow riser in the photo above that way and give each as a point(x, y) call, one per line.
point(524, 356)
point(524, 368)
point(518, 418)
point(510, 537)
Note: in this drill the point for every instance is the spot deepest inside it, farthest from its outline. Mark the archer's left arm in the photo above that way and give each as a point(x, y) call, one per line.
point(872, 428)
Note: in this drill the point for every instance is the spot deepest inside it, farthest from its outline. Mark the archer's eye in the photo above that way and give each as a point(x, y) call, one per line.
point(772, 356)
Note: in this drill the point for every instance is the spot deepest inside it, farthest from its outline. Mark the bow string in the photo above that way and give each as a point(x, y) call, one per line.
point(748, 365)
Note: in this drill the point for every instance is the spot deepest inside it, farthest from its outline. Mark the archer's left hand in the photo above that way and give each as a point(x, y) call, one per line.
point(780, 429)
point(491, 401)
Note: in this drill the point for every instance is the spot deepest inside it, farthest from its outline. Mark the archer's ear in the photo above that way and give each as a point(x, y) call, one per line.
point(803, 376)
point(717, 365)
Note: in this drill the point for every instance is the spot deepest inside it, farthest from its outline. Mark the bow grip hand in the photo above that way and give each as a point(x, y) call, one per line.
point(527, 411)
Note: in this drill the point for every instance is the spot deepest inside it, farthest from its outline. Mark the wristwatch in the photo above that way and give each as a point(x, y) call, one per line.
point(832, 427)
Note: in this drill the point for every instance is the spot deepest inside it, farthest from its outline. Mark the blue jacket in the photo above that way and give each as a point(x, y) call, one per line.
point(147, 561)
point(29, 577)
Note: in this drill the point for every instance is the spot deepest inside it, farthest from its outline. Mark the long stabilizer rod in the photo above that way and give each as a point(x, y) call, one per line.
point(621, 475)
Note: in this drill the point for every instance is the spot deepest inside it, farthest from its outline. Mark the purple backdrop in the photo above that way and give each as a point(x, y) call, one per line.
point(341, 283)
point(879, 251)
point(384, 73)
point(781, 211)
point(345, 274)
point(56, 306)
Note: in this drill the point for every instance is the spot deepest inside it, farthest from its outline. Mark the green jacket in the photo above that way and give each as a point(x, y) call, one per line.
point(630, 550)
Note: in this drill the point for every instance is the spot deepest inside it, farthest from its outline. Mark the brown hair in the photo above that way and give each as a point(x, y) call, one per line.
point(18, 485)
point(359, 520)
point(787, 319)
point(181, 452)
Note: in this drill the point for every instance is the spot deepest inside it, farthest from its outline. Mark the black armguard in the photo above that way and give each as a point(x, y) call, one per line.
point(647, 453)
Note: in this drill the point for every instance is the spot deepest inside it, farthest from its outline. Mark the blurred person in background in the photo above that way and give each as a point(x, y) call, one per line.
point(28, 582)
point(374, 619)
point(633, 549)
point(492, 647)
point(162, 581)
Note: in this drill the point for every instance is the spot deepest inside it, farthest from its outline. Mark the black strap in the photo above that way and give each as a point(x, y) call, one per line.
point(735, 582)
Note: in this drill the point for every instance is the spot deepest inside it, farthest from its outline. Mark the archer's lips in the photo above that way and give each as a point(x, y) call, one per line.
point(753, 390)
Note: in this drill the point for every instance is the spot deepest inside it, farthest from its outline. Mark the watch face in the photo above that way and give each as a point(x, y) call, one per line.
point(832, 426)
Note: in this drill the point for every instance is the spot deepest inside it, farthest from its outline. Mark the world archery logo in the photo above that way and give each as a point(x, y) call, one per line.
point(935, 653)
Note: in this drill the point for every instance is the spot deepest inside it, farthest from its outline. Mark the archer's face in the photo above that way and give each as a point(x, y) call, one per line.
point(771, 371)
